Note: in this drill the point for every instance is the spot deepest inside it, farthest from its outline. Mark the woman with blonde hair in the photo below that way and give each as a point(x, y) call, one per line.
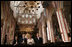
point(30, 40)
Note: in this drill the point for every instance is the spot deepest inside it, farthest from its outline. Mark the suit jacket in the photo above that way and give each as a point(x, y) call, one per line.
point(15, 42)
point(25, 40)
point(38, 41)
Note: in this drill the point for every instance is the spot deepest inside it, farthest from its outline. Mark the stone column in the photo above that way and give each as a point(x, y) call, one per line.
point(67, 26)
point(2, 35)
point(44, 34)
point(39, 27)
point(12, 32)
point(3, 32)
point(3, 12)
point(40, 32)
point(50, 33)
point(63, 27)
point(44, 31)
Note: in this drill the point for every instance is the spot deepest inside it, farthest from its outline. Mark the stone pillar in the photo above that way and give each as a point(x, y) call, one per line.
point(8, 35)
point(62, 25)
point(2, 35)
point(67, 26)
point(39, 27)
point(58, 5)
point(3, 32)
point(4, 22)
point(11, 30)
point(50, 33)
point(12, 35)
point(44, 33)
point(43, 30)
point(40, 32)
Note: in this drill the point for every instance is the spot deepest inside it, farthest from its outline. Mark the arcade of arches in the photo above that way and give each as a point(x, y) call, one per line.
point(51, 19)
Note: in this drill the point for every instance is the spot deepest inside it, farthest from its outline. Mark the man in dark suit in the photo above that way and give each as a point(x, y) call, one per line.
point(38, 40)
point(15, 42)
point(23, 40)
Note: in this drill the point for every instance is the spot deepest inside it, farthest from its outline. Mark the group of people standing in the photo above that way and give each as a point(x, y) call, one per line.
point(29, 41)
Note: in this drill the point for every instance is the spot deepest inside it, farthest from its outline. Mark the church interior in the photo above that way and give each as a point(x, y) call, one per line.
point(50, 19)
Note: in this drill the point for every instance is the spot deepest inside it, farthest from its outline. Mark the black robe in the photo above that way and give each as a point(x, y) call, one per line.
point(25, 41)
point(15, 42)
point(38, 41)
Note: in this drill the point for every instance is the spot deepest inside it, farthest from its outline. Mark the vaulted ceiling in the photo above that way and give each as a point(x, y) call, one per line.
point(26, 12)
